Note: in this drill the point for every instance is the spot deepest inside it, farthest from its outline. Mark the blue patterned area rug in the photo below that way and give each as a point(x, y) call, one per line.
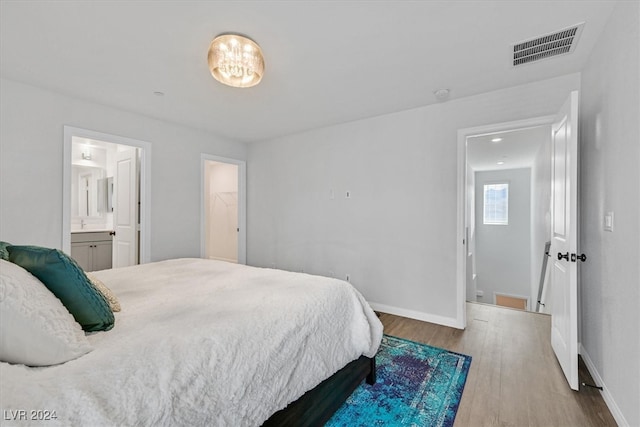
point(417, 385)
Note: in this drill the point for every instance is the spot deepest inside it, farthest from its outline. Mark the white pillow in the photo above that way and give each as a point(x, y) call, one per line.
point(114, 304)
point(35, 328)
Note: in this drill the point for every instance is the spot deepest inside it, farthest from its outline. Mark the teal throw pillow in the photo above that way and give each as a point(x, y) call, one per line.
point(66, 280)
point(4, 253)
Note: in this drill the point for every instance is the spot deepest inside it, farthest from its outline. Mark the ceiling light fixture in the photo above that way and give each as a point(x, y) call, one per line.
point(236, 60)
point(500, 162)
point(496, 140)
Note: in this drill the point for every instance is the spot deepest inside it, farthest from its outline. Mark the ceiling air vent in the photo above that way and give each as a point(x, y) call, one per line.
point(557, 43)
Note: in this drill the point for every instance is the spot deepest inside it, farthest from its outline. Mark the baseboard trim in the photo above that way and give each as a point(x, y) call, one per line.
point(217, 258)
point(417, 315)
point(606, 395)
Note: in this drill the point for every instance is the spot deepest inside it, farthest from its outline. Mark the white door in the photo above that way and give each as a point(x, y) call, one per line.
point(125, 247)
point(564, 276)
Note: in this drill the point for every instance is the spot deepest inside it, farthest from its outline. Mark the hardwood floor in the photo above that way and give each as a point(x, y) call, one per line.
point(514, 379)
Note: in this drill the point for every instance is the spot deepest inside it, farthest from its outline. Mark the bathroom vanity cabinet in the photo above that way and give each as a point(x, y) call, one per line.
point(92, 249)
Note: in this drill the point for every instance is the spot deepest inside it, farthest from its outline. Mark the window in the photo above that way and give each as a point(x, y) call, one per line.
point(496, 204)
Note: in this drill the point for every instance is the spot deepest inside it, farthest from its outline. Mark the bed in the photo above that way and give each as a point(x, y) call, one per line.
point(204, 342)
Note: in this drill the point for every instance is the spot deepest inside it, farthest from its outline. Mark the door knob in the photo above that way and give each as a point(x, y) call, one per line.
point(565, 256)
point(581, 257)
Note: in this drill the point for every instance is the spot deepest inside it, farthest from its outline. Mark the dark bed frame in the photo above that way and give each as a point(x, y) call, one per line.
point(316, 406)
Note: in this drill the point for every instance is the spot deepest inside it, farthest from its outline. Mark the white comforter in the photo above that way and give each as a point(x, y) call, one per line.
point(201, 342)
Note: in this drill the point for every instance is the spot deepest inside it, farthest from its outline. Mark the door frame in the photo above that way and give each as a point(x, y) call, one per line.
point(145, 185)
point(242, 203)
point(461, 246)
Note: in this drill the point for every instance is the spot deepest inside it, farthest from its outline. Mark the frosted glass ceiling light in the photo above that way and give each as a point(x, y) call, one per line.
point(236, 60)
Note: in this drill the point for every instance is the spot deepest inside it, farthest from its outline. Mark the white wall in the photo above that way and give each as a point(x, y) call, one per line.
point(31, 144)
point(540, 217)
point(503, 261)
point(610, 181)
point(396, 236)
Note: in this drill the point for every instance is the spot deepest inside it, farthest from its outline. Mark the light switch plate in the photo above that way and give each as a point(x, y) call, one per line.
point(608, 221)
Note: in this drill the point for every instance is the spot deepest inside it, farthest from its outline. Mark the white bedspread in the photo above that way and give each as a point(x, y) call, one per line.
point(201, 342)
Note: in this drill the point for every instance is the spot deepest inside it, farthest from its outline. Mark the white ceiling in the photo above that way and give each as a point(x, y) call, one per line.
point(517, 149)
point(327, 62)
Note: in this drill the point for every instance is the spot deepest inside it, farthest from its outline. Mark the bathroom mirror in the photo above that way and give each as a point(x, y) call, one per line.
point(89, 192)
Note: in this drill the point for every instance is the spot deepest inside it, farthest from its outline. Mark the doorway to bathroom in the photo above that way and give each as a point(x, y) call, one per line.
point(223, 209)
point(105, 199)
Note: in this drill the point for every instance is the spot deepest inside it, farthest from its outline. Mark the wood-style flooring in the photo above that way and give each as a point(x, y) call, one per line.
point(514, 379)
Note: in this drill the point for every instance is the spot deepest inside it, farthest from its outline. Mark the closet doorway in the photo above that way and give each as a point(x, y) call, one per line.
point(223, 209)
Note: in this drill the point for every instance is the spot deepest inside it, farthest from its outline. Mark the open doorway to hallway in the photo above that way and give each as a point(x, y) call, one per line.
point(508, 215)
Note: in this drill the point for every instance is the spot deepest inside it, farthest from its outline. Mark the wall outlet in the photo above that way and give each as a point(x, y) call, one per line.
point(479, 293)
